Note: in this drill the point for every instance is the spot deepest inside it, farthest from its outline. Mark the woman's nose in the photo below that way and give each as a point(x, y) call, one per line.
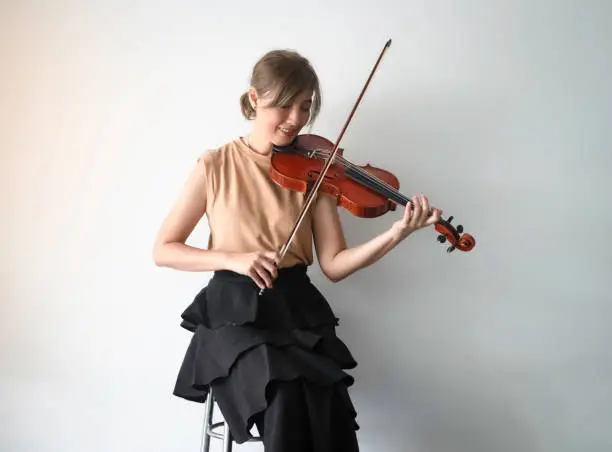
point(294, 115)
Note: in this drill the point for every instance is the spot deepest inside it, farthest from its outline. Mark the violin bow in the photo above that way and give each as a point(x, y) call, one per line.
point(321, 176)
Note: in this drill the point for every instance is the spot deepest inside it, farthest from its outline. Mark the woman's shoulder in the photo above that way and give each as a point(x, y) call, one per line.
point(214, 156)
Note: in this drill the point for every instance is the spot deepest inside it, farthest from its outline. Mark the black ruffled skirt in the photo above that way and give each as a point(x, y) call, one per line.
point(273, 357)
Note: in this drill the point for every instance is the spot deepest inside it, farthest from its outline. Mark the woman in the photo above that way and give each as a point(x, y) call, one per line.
point(271, 357)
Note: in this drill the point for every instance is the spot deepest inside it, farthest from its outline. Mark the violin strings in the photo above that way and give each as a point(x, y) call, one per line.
point(368, 181)
point(376, 182)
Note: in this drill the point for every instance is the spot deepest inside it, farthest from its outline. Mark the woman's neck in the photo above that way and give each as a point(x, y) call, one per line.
point(259, 143)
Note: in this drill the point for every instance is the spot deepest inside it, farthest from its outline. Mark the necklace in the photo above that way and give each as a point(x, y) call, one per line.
point(247, 141)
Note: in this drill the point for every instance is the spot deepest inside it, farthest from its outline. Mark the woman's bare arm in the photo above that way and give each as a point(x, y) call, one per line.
point(169, 249)
point(338, 261)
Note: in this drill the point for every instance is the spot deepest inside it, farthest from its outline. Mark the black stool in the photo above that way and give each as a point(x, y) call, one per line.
point(209, 429)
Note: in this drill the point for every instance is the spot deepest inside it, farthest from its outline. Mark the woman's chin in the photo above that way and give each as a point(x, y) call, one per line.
point(281, 139)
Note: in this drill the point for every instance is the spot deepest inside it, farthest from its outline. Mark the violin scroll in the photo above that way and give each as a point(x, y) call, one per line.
point(450, 233)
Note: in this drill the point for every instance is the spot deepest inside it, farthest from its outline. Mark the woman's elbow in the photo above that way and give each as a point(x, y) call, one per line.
point(330, 274)
point(334, 278)
point(158, 255)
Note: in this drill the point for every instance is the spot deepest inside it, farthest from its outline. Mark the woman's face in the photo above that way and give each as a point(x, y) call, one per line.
point(282, 124)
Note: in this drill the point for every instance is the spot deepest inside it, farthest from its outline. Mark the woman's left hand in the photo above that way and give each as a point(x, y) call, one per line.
point(417, 215)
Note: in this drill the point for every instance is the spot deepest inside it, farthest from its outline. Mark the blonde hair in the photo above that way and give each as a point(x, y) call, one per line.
point(284, 73)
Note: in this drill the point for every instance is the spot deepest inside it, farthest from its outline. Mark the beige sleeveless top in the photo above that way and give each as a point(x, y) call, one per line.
point(247, 211)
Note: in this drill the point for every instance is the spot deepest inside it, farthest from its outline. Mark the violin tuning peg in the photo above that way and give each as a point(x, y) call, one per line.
point(459, 228)
point(450, 249)
point(450, 219)
point(441, 238)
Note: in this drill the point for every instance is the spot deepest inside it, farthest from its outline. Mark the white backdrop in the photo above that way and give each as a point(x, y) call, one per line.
point(499, 111)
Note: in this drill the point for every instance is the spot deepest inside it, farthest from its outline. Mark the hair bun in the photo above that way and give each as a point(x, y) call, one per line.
point(245, 106)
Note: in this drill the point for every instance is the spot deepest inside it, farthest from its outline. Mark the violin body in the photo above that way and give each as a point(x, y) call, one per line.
point(299, 165)
point(365, 191)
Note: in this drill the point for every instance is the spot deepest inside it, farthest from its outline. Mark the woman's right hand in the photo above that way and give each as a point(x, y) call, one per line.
point(260, 266)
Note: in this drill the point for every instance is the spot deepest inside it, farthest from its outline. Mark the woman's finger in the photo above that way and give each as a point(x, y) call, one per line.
point(416, 213)
point(263, 273)
point(254, 274)
point(435, 217)
point(269, 265)
point(408, 211)
point(425, 211)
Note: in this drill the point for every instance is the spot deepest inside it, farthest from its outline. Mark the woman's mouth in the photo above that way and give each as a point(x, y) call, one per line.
point(287, 132)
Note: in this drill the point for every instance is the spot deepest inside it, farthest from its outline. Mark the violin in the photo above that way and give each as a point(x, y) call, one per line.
point(312, 162)
point(364, 191)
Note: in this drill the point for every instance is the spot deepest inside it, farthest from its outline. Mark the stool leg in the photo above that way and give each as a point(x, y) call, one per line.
point(227, 438)
point(208, 410)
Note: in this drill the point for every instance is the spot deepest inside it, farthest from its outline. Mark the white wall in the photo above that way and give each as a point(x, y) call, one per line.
point(500, 111)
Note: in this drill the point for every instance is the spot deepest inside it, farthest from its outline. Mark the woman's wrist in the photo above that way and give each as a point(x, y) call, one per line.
point(184, 257)
point(398, 232)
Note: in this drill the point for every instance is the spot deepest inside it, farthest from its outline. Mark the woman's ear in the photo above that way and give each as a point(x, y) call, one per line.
point(253, 97)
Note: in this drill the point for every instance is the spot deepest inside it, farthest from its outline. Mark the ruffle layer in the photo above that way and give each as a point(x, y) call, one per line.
point(243, 341)
point(233, 299)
